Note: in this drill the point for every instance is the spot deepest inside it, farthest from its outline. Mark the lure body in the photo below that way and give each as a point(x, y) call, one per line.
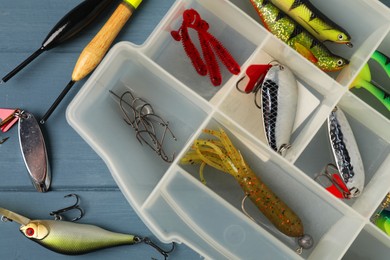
point(222, 155)
point(297, 37)
point(346, 152)
point(73, 239)
point(279, 95)
point(313, 20)
point(33, 148)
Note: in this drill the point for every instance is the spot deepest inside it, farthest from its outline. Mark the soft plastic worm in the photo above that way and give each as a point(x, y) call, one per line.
point(314, 21)
point(211, 61)
point(294, 35)
point(222, 155)
point(190, 50)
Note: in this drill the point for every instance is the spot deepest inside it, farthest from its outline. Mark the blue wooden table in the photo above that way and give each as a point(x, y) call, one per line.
point(75, 166)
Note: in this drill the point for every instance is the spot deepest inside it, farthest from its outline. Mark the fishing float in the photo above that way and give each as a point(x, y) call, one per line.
point(94, 52)
point(69, 26)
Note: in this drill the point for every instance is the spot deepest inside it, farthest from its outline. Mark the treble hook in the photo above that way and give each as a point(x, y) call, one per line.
point(57, 214)
point(165, 253)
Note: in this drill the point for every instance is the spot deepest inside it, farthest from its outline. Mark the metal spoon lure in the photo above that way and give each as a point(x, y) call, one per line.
point(33, 148)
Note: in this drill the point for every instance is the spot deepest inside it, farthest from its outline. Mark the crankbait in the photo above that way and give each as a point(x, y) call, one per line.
point(208, 43)
point(346, 153)
point(278, 94)
point(70, 238)
point(222, 155)
point(94, 52)
point(364, 79)
point(69, 26)
point(297, 37)
point(314, 21)
point(32, 145)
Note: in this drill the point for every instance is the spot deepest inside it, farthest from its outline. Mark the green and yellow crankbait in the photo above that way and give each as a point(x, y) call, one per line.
point(70, 238)
point(294, 35)
point(314, 21)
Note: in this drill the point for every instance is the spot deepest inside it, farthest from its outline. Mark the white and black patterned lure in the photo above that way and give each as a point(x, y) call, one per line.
point(277, 92)
point(346, 152)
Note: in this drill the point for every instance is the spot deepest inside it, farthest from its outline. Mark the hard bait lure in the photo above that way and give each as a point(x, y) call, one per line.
point(346, 152)
point(209, 44)
point(222, 155)
point(32, 145)
point(69, 26)
point(278, 92)
point(314, 21)
point(70, 238)
point(94, 52)
point(297, 37)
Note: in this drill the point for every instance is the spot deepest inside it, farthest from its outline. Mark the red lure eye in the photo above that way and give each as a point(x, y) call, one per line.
point(30, 232)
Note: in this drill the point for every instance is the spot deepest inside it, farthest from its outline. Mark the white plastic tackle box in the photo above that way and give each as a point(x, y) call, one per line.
point(172, 201)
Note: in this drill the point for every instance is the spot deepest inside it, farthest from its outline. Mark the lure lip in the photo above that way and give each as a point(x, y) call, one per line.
point(9, 215)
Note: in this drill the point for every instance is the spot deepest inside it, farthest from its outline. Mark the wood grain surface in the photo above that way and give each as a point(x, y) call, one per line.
point(75, 166)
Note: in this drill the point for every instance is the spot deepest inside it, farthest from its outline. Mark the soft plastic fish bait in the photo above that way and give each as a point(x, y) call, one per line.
point(70, 238)
point(297, 37)
point(314, 21)
point(383, 60)
point(210, 46)
point(222, 155)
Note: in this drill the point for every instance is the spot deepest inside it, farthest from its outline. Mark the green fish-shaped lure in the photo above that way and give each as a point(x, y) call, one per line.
point(294, 35)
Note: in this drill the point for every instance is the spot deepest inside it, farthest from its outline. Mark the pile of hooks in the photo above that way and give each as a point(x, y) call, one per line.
point(139, 114)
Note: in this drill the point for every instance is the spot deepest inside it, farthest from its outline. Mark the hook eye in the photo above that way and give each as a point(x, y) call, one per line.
point(58, 213)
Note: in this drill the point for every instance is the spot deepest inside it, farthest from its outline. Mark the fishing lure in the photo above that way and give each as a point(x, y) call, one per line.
point(222, 155)
point(278, 91)
point(382, 218)
point(297, 37)
point(346, 153)
point(209, 44)
point(33, 148)
point(364, 79)
point(383, 60)
point(32, 145)
point(69, 26)
point(314, 21)
point(383, 221)
point(69, 238)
